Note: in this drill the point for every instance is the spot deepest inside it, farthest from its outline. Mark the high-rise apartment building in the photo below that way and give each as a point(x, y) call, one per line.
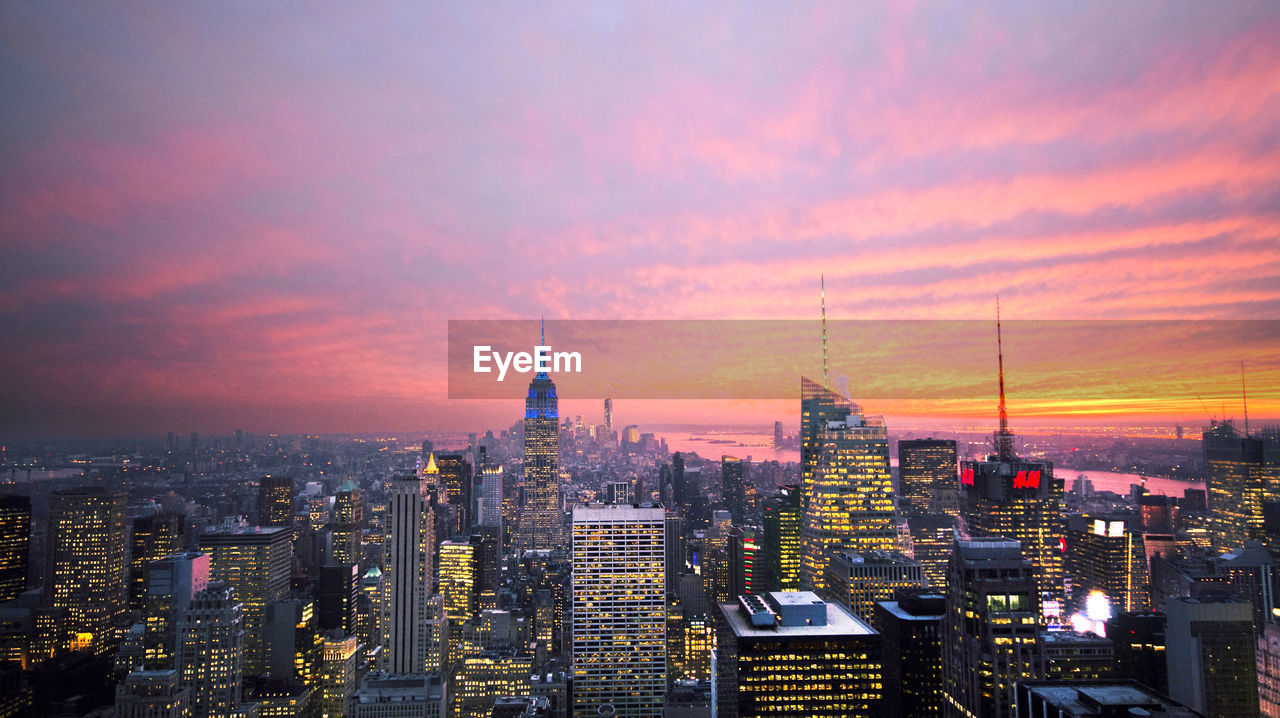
point(990, 638)
point(540, 516)
point(619, 610)
point(275, 501)
point(925, 465)
point(15, 544)
point(793, 654)
point(85, 574)
point(407, 575)
point(256, 562)
point(847, 487)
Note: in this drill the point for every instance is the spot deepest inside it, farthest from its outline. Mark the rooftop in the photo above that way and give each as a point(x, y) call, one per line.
point(839, 621)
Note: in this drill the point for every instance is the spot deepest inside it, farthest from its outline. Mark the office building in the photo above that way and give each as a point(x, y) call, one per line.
point(348, 525)
point(733, 487)
point(1104, 554)
point(990, 637)
point(153, 694)
point(275, 501)
point(85, 563)
point(793, 654)
point(338, 674)
point(1139, 643)
point(171, 583)
point(781, 519)
point(1212, 655)
point(154, 536)
point(210, 651)
point(911, 627)
point(924, 466)
point(1074, 656)
point(455, 477)
point(1096, 699)
point(540, 515)
point(858, 581)
point(383, 695)
point(15, 544)
point(619, 610)
point(1242, 473)
point(490, 497)
point(406, 578)
point(336, 593)
point(847, 487)
point(256, 562)
point(481, 678)
point(932, 538)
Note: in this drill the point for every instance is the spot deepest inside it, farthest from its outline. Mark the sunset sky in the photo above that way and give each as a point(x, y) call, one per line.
point(262, 216)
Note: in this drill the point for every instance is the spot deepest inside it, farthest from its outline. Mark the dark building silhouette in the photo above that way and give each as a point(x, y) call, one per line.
point(15, 544)
point(911, 627)
point(275, 501)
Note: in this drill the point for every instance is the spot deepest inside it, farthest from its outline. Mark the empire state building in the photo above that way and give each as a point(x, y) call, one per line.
point(540, 518)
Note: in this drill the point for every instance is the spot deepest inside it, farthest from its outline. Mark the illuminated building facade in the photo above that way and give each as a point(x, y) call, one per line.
point(540, 515)
point(924, 466)
point(793, 654)
point(483, 677)
point(455, 477)
point(911, 624)
point(154, 537)
point(1105, 554)
point(256, 561)
point(1138, 639)
point(85, 573)
point(859, 581)
point(1243, 472)
point(348, 525)
point(171, 583)
point(744, 560)
point(459, 578)
point(782, 518)
point(990, 638)
point(338, 675)
point(210, 651)
point(407, 575)
point(1212, 654)
point(619, 610)
point(490, 497)
point(275, 501)
point(847, 488)
point(932, 538)
point(15, 544)
point(733, 487)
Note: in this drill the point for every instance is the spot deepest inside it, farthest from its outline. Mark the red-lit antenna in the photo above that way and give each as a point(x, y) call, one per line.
point(1004, 439)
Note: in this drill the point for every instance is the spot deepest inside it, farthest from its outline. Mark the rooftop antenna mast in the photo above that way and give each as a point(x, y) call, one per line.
point(544, 332)
point(1244, 395)
point(823, 283)
point(1004, 439)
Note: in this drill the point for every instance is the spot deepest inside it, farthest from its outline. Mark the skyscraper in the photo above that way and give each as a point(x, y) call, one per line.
point(923, 466)
point(455, 476)
point(171, 583)
point(540, 516)
point(847, 489)
point(932, 538)
point(792, 654)
point(406, 579)
point(15, 544)
point(255, 561)
point(491, 497)
point(85, 575)
point(733, 483)
point(782, 518)
point(1105, 554)
point(1212, 655)
point(336, 597)
point(1020, 500)
point(210, 655)
point(619, 610)
point(859, 581)
point(990, 638)
point(348, 525)
point(275, 501)
point(911, 624)
point(1243, 473)
point(154, 536)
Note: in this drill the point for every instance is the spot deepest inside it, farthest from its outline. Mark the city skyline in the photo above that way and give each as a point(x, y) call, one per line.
point(264, 219)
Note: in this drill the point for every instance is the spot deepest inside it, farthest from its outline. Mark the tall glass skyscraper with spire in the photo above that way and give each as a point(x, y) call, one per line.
point(847, 490)
point(540, 518)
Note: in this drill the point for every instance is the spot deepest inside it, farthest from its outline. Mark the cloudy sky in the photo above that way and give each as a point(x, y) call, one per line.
point(223, 215)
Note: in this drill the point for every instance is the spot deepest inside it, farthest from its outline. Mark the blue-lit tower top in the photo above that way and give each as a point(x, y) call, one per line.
point(541, 402)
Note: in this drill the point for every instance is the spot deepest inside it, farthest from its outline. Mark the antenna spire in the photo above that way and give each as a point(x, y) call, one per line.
point(1004, 438)
point(1245, 396)
point(826, 384)
point(544, 332)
